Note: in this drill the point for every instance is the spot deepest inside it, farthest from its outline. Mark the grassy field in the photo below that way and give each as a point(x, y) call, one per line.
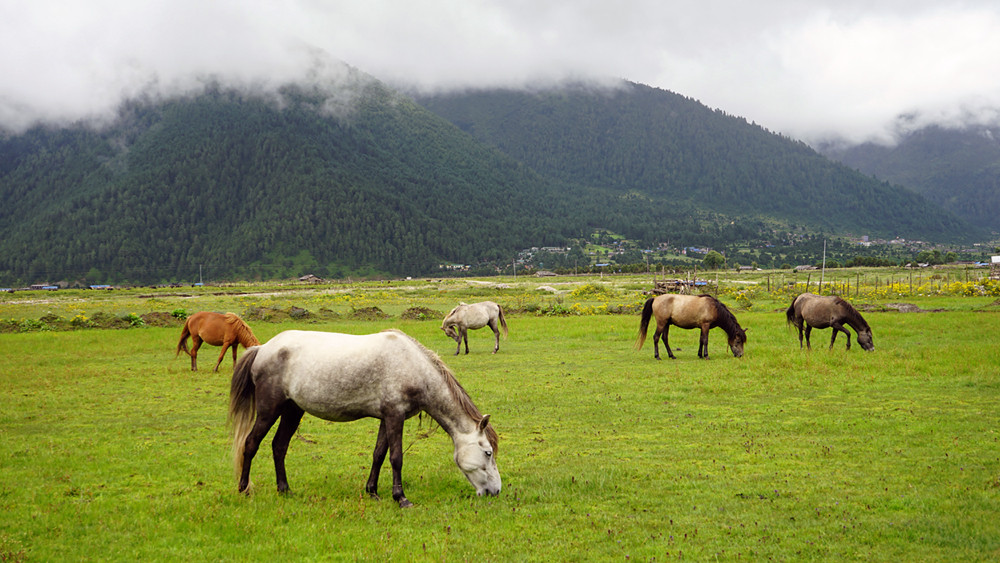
point(114, 450)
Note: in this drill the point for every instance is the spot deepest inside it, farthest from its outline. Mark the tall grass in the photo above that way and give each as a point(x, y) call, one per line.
point(113, 449)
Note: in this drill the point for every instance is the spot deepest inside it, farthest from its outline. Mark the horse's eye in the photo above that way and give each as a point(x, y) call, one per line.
point(488, 453)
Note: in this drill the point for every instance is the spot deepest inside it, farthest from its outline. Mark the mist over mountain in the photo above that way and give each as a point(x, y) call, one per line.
point(956, 167)
point(357, 179)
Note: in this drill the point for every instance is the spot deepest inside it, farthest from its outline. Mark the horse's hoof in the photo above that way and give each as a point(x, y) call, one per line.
point(403, 503)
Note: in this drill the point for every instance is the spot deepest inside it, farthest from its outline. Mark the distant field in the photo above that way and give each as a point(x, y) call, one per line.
point(113, 449)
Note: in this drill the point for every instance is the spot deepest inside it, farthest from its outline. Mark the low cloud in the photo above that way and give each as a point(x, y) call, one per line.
point(814, 70)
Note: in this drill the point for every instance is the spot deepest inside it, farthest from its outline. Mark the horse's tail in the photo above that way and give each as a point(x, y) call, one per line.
point(182, 344)
point(503, 321)
point(790, 313)
point(242, 405)
point(647, 313)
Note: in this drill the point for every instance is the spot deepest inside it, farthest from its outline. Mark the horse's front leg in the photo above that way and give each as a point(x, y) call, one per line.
point(378, 458)
point(222, 354)
point(839, 328)
point(703, 343)
point(290, 419)
point(465, 337)
point(394, 435)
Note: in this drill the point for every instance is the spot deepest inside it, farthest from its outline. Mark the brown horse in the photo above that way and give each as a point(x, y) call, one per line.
point(226, 330)
point(690, 311)
point(811, 311)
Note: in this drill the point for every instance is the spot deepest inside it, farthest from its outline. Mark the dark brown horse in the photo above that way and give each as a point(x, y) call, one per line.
point(809, 311)
point(690, 311)
point(218, 329)
point(342, 377)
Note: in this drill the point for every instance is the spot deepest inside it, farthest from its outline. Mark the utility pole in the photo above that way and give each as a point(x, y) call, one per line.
point(823, 271)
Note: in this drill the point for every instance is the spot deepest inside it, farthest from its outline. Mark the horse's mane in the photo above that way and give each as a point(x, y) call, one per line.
point(725, 319)
point(854, 318)
point(454, 386)
point(444, 323)
point(243, 333)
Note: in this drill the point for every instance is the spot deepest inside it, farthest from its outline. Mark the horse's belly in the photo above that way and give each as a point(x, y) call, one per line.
point(334, 401)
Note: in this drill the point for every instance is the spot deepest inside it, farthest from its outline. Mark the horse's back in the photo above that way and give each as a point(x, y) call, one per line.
point(818, 310)
point(476, 315)
point(685, 311)
point(209, 326)
point(342, 377)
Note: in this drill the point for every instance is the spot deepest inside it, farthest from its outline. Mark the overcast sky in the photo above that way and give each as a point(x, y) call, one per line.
point(808, 69)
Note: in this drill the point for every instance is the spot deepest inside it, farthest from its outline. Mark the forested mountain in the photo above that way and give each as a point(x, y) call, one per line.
point(650, 143)
point(242, 186)
point(957, 168)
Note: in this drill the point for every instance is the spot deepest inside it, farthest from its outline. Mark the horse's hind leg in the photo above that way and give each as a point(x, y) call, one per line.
point(496, 336)
point(195, 344)
point(808, 332)
point(656, 342)
point(265, 420)
point(378, 458)
point(290, 418)
point(666, 343)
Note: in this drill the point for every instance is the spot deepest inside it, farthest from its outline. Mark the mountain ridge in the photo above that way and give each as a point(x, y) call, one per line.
point(242, 186)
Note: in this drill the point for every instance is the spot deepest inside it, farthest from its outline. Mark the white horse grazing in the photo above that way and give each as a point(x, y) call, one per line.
point(477, 315)
point(342, 377)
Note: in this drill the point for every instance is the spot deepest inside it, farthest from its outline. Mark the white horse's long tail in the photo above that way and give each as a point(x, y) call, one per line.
point(242, 405)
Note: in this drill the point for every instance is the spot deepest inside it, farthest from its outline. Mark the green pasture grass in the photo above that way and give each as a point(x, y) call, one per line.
point(114, 449)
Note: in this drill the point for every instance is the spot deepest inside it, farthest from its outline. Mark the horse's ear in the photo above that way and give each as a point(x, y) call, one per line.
point(746, 330)
point(484, 423)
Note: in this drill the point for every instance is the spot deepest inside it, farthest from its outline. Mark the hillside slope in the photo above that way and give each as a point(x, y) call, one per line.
point(240, 187)
point(637, 139)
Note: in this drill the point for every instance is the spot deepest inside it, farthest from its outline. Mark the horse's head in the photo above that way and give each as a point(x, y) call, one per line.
point(736, 341)
point(865, 340)
point(449, 331)
point(475, 455)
